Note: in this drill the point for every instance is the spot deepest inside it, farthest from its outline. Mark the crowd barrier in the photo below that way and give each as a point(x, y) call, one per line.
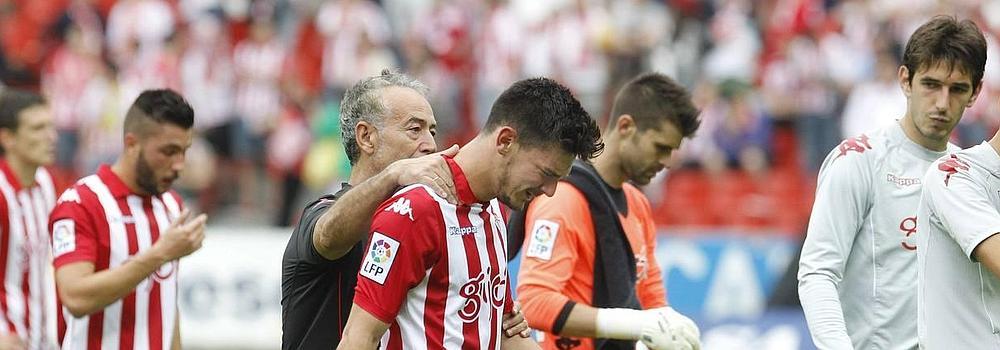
point(230, 289)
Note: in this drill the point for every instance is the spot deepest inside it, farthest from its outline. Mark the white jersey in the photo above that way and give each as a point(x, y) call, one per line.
point(959, 299)
point(857, 280)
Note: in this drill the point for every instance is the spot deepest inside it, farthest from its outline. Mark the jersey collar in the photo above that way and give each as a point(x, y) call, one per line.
point(462, 188)
point(115, 184)
point(9, 174)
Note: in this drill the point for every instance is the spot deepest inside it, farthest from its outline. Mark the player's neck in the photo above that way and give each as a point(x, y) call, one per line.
point(912, 133)
point(359, 173)
point(125, 172)
point(24, 171)
point(608, 164)
point(478, 169)
point(995, 142)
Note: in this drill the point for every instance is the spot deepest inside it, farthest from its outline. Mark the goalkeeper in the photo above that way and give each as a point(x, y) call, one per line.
point(589, 278)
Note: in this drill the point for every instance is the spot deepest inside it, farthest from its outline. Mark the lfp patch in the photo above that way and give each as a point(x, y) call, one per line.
point(543, 239)
point(381, 253)
point(63, 237)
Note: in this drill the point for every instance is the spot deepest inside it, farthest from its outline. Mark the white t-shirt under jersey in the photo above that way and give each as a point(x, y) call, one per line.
point(857, 275)
point(958, 298)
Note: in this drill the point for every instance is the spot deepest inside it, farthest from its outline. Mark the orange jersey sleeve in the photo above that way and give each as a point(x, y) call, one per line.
point(558, 237)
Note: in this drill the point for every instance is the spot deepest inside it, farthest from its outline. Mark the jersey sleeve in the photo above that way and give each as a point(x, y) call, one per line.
point(960, 204)
point(304, 248)
point(403, 244)
point(841, 204)
point(74, 234)
point(652, 294)
point(554, 229)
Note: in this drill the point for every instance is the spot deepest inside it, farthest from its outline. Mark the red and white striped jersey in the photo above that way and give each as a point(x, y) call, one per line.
point(437, 272)
point(27, 295)
point(99, 220)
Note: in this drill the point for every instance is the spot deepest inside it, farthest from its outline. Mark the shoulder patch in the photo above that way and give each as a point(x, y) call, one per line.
point(543, 239)
point(854, 144)
point(951, 166)
point(382, 251)
point(63, 237)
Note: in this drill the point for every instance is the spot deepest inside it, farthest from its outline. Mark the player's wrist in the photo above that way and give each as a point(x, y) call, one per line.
point(626, 324)
point(155, 256)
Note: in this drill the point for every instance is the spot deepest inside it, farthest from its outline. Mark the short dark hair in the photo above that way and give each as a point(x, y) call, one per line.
point(12, 103)
point(946, 40)
point(543, 112)
point(160, 106)
point(652, 98)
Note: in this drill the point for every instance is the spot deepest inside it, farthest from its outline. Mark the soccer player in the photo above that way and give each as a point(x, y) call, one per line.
point(27, 195)
point(117, 235)
point(958, 263)
point(857, 273)
point(434, 273)
point(386, 120)
point(595, 213)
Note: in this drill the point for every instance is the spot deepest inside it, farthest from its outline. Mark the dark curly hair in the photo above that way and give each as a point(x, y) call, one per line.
point(544, 113)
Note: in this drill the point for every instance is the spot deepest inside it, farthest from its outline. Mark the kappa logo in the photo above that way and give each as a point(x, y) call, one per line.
point(902, 181)
point(855, 144)
point(382, 251)
point(461, 231)
point(402, 207)
point(951, 166)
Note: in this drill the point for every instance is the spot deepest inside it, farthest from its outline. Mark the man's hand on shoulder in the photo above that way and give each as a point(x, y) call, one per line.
point(430, 170)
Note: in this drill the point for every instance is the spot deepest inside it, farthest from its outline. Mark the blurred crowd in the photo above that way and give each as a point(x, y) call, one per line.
point(780, 82)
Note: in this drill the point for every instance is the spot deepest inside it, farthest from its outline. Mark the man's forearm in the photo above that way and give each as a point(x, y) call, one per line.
point(582, 322)
point(362, 331)
point(84, 295)
point(824, 315)
point(347, 221)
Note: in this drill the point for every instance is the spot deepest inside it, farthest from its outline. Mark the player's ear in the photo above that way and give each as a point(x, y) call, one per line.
point(131, 143)
point(625, 126)
point(506, 140)
point(366, 136)
point(6, 138)
point(975, 95)
point(903, 75)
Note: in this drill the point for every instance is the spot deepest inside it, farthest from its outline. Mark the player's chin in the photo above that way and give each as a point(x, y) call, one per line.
point(512, 202)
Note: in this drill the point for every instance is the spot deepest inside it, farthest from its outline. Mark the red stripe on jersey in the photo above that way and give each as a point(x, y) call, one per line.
point(495, 267)
point(155, 306)
point(95, 327)
point(127, 327)
point(95, 330)
point(4, 256)
point(474, 304)
point(435, 302)
point(26, 289)
point(395, 338)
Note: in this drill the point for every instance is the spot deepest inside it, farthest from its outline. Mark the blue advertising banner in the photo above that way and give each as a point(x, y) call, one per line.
point(723, 281)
